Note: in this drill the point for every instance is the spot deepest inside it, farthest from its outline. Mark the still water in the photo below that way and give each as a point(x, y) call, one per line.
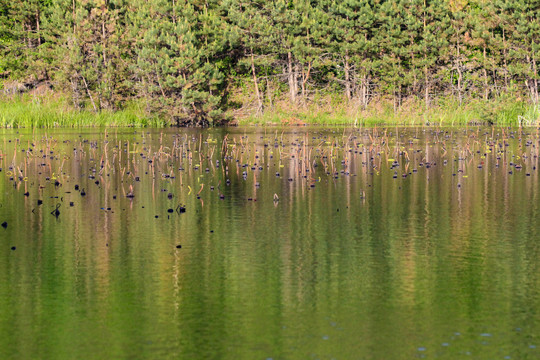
point(254, 243)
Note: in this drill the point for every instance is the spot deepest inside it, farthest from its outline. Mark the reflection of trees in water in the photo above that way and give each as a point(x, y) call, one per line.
point(375, 253)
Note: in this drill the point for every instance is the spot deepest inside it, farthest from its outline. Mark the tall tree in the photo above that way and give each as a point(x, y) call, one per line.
point(249, 27)
point(177, 47)
point(393, 41)
point(353, 51)
point(456, 54)
point(527, 45)
point(86, 49)
point(20, 36)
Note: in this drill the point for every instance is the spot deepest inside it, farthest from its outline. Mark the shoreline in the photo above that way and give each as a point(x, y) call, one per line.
point(27, 111)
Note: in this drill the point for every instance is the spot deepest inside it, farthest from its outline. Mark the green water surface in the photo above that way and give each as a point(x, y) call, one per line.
point(295, 243)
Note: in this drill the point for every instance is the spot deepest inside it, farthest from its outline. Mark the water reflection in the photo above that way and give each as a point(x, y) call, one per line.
point(384, 243)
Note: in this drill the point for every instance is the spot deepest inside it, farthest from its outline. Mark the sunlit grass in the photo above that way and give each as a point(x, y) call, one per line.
point(443, 111)
point(28, 112)
point(49, 112)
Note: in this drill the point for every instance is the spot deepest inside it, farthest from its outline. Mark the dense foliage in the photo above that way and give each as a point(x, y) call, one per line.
point(184, 58)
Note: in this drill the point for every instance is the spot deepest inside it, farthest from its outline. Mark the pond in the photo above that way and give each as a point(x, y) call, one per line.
point(270, 243)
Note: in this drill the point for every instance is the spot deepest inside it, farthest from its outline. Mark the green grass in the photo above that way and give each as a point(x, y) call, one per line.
point(48, 112)
point(29, 112)
point(444, 111)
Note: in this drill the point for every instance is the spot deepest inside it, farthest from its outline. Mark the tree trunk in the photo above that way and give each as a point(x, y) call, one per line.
point(347, 77)
point(303, 85)
point(413, 67)
point(89, 94)
point(29, 34)
point(486, 87)
point(460, 75)
point(460, 98)
point(103, 42)
point(75, 94)
point(268, 92)
point(535, 80)
point(532, 83)
point(255, 82)
point(38, 28)
point(505, 62)
point(73, 14)
point(292, 79)
point(295, 79)
point(426, 70)
point(426, 88)
point(364, 92)
point(305, 78)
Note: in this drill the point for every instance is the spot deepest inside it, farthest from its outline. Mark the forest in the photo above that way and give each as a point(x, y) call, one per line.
point(195, 62)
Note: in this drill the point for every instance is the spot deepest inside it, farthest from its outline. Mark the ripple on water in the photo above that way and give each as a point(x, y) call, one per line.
point(258, 263)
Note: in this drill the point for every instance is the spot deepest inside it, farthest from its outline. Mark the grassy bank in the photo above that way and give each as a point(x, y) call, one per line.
point(53, 111)
point(48, 111)
point(338, 111)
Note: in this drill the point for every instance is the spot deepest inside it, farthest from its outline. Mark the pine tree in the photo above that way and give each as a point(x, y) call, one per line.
point(7, 41)
point(351, 25)
point(177, 46)
point(526, 40)
point(456, 54)
point(248, 28)
point(433, 17)
point(500, 43)
point(86, 49)
point(393, 41)
point(182, 57)
point(21, 37)
point(285, 19)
